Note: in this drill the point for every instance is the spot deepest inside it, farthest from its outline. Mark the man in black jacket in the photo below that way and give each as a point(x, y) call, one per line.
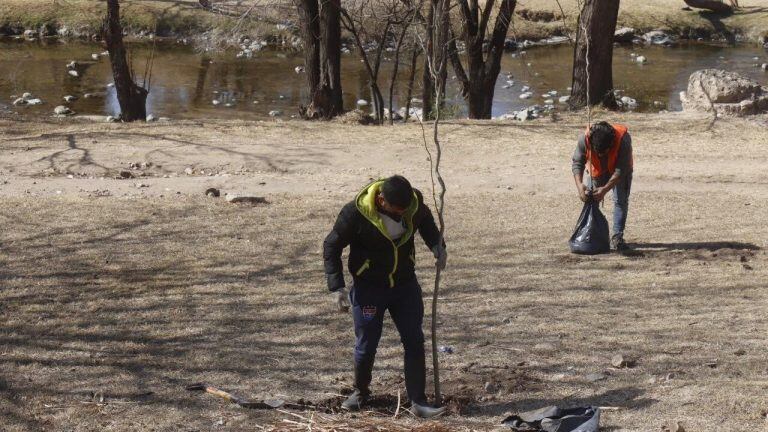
point(379, 227)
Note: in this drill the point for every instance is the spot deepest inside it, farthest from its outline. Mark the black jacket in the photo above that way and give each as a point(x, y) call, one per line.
point(373, 257)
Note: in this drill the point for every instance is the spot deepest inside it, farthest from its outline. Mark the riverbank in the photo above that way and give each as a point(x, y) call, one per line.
point(186, 21)
point(118, 290)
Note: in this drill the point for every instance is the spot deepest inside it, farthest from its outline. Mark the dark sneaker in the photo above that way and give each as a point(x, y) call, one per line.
point(426, 411)
point(619, 245)
point(355, 401)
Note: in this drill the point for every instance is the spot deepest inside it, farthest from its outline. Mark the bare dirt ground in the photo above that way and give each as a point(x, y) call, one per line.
point(115, 294)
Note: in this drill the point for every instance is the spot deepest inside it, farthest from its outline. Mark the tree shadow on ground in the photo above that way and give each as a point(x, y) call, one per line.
point(626, 397)
point(643, 249)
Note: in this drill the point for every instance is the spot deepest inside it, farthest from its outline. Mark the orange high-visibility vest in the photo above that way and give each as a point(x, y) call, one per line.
point(593, 159)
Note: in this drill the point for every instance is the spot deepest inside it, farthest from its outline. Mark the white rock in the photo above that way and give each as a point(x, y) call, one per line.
point(62, 110)
point(70, 98)
point(150, 118)
point(641, 59)
point(299, 69)
point(275, 113)
point(95, 56)
point(764, 66)
point(564, 99)
point(105, 53)
point(110, 85)
point(20, 102)
point(26, 95)
point(526, 95)
point(189, 171)
point(73, 73)
point(109, 119)
point(34, 102)
point(549, 101)
point(216, 102)
point(362, 102)
point(72, 65)
point(525, 89)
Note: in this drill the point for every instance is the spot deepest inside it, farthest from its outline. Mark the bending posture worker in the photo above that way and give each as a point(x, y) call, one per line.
point(606, 151)
point(379, 226)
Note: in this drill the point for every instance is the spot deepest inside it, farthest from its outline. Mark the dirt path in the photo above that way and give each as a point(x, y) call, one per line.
point(130, 293)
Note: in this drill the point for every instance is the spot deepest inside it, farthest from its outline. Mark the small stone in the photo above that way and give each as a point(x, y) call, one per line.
point(564, 99)
point(299, 69)
point(150, 118)
point(20, 101)
point(362, 102)
point(739, 352)
point(275, 113)
point(213, 192)
point(34, 101)
point(490, 387)
point(595, 377)
point(641, 59)
point(125, 174)
point(95, 56)
point(73, 73)
point(61, 110)
point(216, 102)
point(544, 346)
point(619, 361)
point(70, 98)
point(238, 199)
point(189, 171)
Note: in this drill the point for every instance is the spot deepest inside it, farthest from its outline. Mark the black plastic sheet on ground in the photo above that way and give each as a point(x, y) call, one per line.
point(554, 419)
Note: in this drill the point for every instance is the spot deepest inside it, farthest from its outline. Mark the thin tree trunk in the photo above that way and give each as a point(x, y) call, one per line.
point(392, 82)
point(427, 82)
point(411, 80)
point(593, 55)
point(131, 97)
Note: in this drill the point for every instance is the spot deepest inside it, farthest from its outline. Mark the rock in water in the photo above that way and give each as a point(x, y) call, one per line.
point(61, 110)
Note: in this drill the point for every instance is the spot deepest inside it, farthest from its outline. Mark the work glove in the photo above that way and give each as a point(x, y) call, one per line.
point(341, 299)
point(441, 256)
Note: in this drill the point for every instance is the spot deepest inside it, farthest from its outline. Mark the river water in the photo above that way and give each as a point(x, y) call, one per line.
point(190, 84)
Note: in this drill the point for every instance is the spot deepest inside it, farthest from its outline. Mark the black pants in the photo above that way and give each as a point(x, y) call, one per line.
point(406, 307)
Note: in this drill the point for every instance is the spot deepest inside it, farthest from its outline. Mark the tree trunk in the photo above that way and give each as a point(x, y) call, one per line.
point(131, 97)
point(479, 84)
point(411, 80)
point(713, 5)
point(593, 54)
point(427, 82)
point(321, 30)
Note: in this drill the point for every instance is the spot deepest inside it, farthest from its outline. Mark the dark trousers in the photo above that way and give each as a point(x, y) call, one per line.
point(406, 307)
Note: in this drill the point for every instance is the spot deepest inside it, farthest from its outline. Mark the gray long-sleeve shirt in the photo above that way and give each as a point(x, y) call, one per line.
point(623, 163)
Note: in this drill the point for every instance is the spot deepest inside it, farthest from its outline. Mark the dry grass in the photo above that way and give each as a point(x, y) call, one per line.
point(184, 18)
point(147, 290)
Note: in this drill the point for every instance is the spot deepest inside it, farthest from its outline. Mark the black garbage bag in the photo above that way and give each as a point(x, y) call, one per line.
point(554, 419)
point(591, 235)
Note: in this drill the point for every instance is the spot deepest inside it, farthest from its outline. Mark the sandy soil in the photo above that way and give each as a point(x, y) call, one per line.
point(116, 293)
